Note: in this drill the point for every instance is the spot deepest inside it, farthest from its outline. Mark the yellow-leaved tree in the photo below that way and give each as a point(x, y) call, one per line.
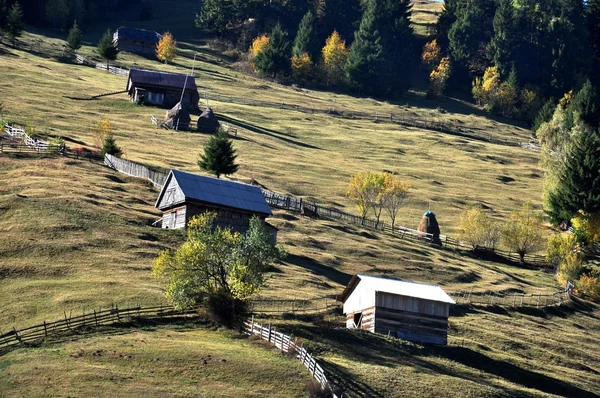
point(438, 78)
point(334, 57)
point(258, 45)
point(478, 229)
point(432, 55)
point(166, 49)
point(102, 129)
point(522, 234)
point(301, 66)
point(394, 196)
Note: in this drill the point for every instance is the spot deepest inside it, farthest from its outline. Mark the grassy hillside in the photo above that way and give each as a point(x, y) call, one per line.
point(181, 361)
point(77, 235)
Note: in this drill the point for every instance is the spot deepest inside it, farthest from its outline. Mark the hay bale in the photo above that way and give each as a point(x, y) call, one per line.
point(178, 118)
point(429, 225)
point(208, 122)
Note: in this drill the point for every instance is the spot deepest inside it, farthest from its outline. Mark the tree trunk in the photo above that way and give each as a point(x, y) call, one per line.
point(521, 258)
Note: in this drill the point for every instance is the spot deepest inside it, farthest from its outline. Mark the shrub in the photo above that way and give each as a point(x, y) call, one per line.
point(315, 390)
point(589, 287)
point(560, 246)
point(301, 66)
point(570, 269)
point(259, 44)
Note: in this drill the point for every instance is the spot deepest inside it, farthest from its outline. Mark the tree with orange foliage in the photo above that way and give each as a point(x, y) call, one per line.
point(166, 49)
point(334, 56)
point(438, 78)
point(432, 55)
point(301, 66)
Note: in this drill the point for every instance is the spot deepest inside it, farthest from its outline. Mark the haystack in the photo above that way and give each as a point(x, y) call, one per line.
point(178, 118)
point(430, 225)
point(208, 122)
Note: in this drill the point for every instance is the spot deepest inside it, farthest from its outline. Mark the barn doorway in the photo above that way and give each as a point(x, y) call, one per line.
point(358, 320)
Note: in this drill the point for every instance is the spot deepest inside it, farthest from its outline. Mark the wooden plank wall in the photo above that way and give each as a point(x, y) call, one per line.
point(411, 326)
point(411, 304)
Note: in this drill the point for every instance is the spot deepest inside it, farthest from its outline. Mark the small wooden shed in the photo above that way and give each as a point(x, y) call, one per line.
point(408, 310)
point(185, 195)
point(134, 40)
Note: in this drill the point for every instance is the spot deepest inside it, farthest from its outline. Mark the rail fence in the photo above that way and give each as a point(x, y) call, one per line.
point(400, 119)
point(35, 335)
point(19, 132)
point(80, 59)
point(294, 306)
point(290, 346)
point(508, 299)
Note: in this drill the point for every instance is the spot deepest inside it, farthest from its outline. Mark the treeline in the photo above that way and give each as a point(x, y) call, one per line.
point(516, 54)
point(60, 14)
point(366, 45)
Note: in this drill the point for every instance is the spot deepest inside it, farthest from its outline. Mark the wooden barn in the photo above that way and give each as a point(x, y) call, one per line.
point(133, 40)
point(408, 310)
point(162, 88)
point(185, 195)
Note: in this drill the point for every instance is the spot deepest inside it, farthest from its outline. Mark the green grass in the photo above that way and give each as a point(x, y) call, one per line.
point(77, 235)
point(182, 361)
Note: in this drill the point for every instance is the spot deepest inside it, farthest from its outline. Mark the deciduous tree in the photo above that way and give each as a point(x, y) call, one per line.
point(166, 49)
point(219, 155)
point(334, 55)
point(102, 129)
point(478, 229)
point(394, 196)
point(522, 233)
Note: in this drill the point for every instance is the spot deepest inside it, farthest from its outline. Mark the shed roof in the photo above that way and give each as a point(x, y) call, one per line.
point(396, 286)
point(219, 192)
point(143, 35)
point(155, 78)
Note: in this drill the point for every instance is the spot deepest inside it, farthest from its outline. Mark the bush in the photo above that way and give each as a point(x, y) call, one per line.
point(589, 287)
point(227, 311)
point(560, 246)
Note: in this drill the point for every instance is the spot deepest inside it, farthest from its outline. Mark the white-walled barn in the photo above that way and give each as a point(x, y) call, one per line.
point(185, 195)
point(408, 310)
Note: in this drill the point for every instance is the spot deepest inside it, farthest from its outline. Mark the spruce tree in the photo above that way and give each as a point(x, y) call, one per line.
point(219, 155)
point(3, 13)
point(586, 104)
point(593, 26)
point(74, 38)
point(366, 57)
point(110, 147)
point(578, 188)
point(306, 40)
point(503, 42)
point(275, 59)
point(106, 48)
point(14, 22)
point(544, 115)
point(445, 22)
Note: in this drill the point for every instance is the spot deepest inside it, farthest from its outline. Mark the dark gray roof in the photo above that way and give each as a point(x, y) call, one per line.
point(143, 35)
point(155, 78)
point(219, 192)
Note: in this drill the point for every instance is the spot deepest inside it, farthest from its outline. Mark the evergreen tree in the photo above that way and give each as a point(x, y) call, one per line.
point(503, 41)
point(445, 22)
point(342, 16)
point(593, 26)
point(586, 104)
point(578, 188)
point(74, 38)
point(106, 48)
point(3, 14)
point(14, 22)
point(544, 115)
point(306, 40)
point(275, 59)
point(366, 57)
point(110, 147)
point(513, 79)
point(219, 156)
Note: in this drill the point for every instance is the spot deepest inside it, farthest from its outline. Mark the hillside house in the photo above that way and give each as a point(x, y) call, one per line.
point(162, 88)
point(133, 40)
point(408, 310)
point(185, 195)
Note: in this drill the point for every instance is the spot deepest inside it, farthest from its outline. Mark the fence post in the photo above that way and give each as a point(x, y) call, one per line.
point(269, 336)
point(252, 326)
point(45, 329)
point(95, 318)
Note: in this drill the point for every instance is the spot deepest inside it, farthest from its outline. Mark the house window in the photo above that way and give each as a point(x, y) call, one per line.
point(358, 320)
point(155, 98)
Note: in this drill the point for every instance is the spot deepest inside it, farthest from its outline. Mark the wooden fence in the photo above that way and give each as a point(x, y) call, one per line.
point(133, 169)
point(294, 306)
point(80, 59)
point(19, 132)
point(508, 299)
point(401, 119)
point(290, 346)
point(34, 335)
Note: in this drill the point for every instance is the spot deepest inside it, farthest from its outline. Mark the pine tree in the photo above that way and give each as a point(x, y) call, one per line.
point(14, 22)
point(593, 26)
point(3, 14)
point(306, 40)
point(219, 156)
point(106, 48)
point(544, 115)
point(275, 59)
point(74, 38)
point(110, 147)
point(445, 22)
point(166, 49)
point(365, 60)
point(586, 104)
point(501, 47)
point(513, 79)
point(578, 188)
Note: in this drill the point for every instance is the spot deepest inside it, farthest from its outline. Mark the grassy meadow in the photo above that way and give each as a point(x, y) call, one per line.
point(76, 235)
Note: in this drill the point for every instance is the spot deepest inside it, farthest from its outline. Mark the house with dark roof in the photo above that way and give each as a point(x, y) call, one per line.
point(162, 88)
point(407, 310)
point(185, 195)
point(135, 40)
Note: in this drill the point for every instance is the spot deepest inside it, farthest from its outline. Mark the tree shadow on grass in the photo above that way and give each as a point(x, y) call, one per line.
point(330, 273)
point(265, 131)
